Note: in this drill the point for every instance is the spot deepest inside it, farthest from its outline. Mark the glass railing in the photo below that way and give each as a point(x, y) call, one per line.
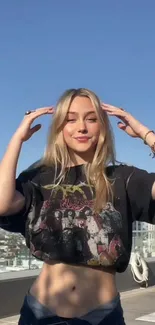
point(14, 255)
point(143, 241)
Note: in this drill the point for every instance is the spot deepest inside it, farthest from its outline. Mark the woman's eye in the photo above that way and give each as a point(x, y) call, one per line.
point(92, 119)
point(71, 120)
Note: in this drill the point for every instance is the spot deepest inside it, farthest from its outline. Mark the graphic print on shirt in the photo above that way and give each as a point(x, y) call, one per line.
point(68, 228)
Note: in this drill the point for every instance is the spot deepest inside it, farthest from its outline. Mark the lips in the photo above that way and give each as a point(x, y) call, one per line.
point(82, 139)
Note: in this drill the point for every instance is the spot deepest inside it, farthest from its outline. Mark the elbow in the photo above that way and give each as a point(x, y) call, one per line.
point(4, 207)
point(3, 210)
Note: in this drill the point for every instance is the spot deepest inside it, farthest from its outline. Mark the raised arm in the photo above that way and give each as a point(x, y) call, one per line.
point(133, 128)
point(12, 201)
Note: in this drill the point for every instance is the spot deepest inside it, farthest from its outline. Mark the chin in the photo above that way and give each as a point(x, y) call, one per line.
point(83, 149)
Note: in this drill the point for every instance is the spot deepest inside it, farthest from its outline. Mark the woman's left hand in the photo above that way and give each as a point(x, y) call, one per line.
point(128, 123)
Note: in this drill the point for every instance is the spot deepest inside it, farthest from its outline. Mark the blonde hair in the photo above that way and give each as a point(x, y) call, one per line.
point(56, 153)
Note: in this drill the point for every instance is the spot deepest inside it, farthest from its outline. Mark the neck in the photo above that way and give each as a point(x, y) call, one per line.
point(81, 158)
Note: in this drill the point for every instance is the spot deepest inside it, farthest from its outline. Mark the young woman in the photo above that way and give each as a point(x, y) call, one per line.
point(76, 210)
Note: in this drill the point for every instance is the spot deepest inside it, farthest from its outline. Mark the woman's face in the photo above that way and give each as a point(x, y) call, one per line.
point(82, 129)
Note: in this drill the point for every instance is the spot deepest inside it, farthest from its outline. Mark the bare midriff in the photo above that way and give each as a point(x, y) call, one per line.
point(72, 291)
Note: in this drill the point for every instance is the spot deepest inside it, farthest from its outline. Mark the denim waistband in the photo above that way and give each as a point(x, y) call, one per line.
point(94, 316)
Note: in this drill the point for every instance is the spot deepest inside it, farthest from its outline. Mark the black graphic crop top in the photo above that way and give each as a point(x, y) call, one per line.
point(59, 225)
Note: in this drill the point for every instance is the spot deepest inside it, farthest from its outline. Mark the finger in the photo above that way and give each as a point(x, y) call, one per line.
point(35, 128)
point(122, 126)
point(108, 106)
point(105, 106)
point(120, 114)
point(114, 111)
point(111, 109)
point(44, 109)
point(40, 111)
point(127, 129)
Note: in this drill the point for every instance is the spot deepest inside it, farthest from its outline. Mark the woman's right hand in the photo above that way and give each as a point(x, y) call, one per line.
point(25, 131)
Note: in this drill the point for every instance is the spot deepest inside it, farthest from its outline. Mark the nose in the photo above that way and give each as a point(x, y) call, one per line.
point(82, 127)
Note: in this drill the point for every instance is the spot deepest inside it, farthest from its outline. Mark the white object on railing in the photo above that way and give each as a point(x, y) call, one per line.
point(139, 268)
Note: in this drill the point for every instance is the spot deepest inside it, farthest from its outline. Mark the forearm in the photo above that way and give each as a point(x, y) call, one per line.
point(148, 137)
point(8, 167)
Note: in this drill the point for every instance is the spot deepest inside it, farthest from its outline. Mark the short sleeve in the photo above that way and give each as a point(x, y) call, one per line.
point(139, 190)
point(16, 222)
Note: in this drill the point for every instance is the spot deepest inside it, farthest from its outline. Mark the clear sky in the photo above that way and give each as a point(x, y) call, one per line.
point(49, 46)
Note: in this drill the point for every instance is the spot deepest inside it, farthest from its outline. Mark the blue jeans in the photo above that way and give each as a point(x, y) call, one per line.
point(33, 313)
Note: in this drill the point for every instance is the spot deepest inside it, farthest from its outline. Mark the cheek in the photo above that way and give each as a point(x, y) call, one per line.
point(96, 131)
point(67, 132)
point(96, 134)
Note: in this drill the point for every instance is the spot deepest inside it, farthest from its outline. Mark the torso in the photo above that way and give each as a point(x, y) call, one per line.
point(61, 225)
point(84, 248)
point(72, 291)
point(81, 250)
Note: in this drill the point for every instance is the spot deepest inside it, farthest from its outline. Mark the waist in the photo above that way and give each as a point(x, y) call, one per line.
point(72, 291)
point(93, 316)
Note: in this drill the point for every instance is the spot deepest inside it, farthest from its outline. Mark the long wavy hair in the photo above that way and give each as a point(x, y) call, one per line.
point(57, 154)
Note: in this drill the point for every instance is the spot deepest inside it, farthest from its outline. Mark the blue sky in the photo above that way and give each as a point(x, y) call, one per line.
point(49, 46)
